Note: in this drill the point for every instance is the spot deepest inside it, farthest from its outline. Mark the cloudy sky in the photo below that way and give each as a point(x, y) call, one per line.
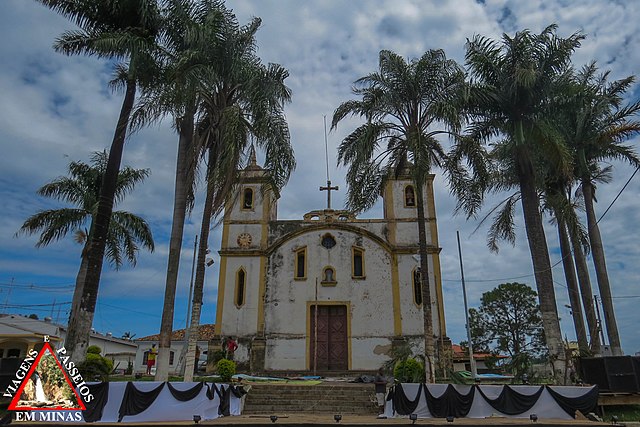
point(56, 109)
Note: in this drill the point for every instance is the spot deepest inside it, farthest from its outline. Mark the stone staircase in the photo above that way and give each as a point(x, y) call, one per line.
point(328, 397)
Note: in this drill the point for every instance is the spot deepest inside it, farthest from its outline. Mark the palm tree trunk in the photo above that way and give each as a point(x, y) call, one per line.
point(600, 264)
point(185, 157)
point(427, 306)
point(77, 339)
point(572, 284)
point(198, 286)
point(541, 266)
point(80, 278)
point(587, 295)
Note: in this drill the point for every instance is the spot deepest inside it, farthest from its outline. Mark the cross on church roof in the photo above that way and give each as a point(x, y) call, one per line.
point(328, 189)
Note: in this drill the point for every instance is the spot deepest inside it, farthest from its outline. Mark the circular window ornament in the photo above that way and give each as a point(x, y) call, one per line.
point(328, 241)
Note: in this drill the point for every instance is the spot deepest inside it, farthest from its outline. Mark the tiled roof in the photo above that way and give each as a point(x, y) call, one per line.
point(459, 353)
point(205, 333)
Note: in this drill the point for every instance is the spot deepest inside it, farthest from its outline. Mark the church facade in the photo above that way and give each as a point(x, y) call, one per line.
point(328, 292)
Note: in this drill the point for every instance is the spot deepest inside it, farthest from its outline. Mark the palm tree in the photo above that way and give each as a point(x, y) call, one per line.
point(241, 99)
point(82, 188)
point(557, 202)
point(177, 93)
point(599, 125)
point(512, 90)
point(121, 30)
point(408, 105)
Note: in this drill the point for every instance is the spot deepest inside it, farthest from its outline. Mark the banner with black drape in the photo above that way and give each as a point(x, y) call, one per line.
point(480, 401)
point(157, 401)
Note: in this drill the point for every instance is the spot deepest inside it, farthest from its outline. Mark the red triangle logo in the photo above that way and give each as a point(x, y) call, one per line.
point(49, 372)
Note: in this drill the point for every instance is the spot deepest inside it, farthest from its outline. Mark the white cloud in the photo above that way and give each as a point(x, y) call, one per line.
point(55, 109)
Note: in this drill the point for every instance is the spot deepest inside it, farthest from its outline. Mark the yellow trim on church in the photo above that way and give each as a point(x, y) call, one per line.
point(395, 293)
point(436, 256)
point(266, 204)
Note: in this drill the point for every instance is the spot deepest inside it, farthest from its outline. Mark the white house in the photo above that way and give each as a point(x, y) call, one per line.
point(19, 334)
point(205, 333)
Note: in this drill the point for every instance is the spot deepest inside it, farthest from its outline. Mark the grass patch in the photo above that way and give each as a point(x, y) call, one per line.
point(623, 412)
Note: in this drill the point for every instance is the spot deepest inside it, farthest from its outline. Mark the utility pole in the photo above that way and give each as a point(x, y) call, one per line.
point(6, 301)
point(183, 354)
point(472, 362)
point(595, 298)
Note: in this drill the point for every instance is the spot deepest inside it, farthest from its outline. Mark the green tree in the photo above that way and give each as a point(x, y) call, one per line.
point(189, 28)
point(598, 125)
point(513, 87)
point(408, 106)
point(508, 321)
point(127, 232)
point(124, 31)
point(241, 99)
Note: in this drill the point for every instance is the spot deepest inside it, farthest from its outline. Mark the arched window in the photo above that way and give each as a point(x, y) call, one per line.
point(409, 196)
point(329, 276)
point(357, 263)
point(417, 287)
point(247, 198)
point(300, 267)
point(241, 279)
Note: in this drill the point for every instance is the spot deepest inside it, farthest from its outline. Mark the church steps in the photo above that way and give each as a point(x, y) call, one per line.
point(321, 398)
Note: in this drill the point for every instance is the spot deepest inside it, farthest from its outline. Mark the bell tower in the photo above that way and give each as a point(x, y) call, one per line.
point(243, 260)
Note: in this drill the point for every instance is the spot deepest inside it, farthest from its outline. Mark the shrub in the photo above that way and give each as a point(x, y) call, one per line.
point(226, 369)
point(93, 349)
point(95, 367)
point(409, 371)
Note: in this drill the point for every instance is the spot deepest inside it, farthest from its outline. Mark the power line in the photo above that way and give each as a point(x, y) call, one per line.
point(561, 259)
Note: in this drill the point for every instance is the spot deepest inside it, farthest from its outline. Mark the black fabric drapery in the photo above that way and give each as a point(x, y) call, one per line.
point(238, 391)
point(135, 401)
point(212, 391)
point(451, 403)
point(94, 409)
point(185, 395)
point(585, 403)
point(401, 404)
point(225, 401)
point(511, 402)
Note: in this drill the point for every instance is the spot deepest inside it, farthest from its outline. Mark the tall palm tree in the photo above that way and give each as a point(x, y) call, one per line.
point(241, 99)
point(557, 202)
point(573, 245)
point(177, 93)
point(82, 188)
point(408, 105)
point(599, 125)
point(513, 85)
point(121, 30)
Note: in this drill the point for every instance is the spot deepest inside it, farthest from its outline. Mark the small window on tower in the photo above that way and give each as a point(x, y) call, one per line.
point(417, 287)
point(357, 261)
point(241, 277)
point(409, 196)
point(247, 198)
point(300, 272)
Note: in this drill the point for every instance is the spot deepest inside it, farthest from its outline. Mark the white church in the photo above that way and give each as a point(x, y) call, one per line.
point(328, 292)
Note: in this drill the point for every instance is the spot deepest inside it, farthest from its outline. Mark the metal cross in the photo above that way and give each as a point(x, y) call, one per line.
point(328, 189)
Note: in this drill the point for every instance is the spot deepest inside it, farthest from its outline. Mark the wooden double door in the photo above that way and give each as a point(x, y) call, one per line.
point(330, 338)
